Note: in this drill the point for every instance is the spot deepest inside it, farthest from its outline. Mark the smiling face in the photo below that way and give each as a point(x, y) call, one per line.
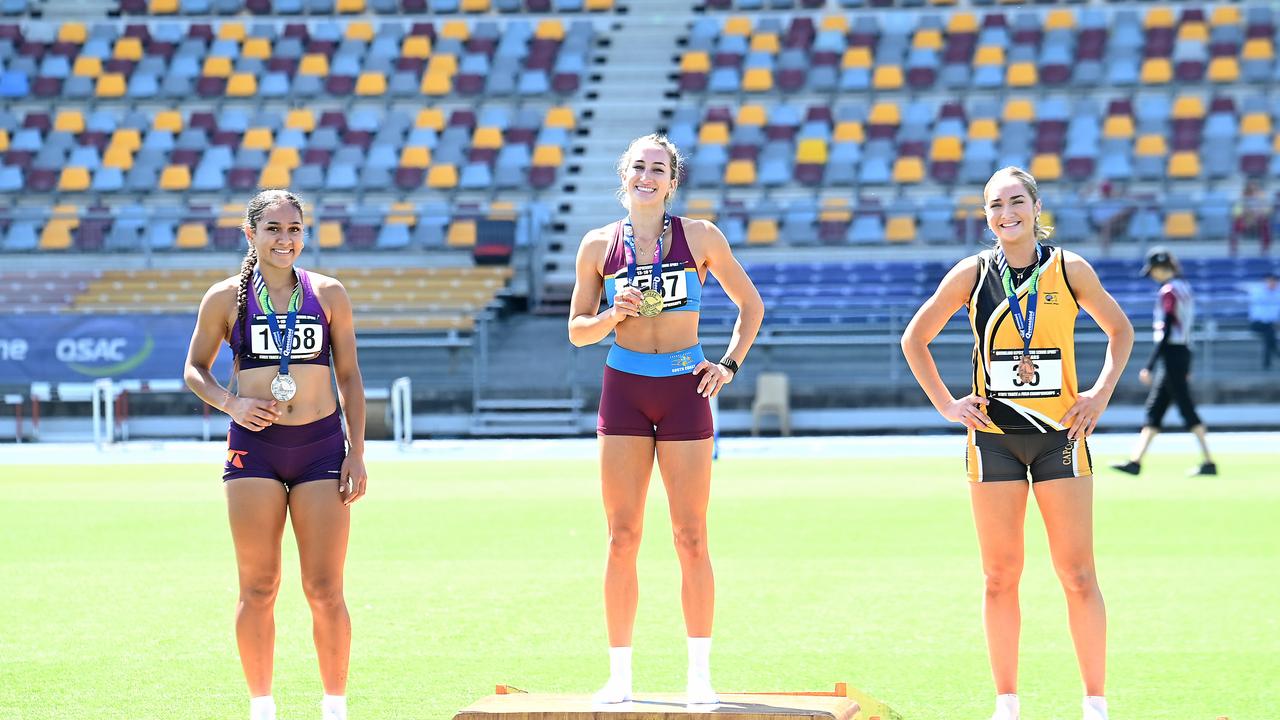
point(278, 235)
point(647, 179)
point(1011, 212)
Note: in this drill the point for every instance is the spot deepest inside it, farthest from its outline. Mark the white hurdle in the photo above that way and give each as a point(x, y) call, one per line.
point(103, 396)
point(402, 411)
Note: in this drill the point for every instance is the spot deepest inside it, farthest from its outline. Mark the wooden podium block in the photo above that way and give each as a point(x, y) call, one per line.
point(532, 706)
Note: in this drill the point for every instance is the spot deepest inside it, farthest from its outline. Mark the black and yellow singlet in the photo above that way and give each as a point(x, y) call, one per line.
point(1016, 406)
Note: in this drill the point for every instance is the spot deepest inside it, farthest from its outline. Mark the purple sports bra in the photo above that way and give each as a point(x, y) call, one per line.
point(251, 339)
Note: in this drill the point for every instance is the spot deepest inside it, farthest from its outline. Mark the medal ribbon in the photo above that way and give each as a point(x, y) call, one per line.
point(1025, 325)
point(283, 338)
point(629, 251)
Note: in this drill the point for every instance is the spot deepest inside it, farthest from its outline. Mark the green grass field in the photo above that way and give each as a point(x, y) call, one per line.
point(117, 587)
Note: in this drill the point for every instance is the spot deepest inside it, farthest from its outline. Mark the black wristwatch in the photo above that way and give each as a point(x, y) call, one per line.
point(731, 364)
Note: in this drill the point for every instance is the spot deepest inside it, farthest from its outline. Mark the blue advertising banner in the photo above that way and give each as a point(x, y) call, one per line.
point(69, 348)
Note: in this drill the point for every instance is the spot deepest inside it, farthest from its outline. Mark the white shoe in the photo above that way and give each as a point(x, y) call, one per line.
point(262, 708)
point(612, 693)
point(1095, 708)
point(698, 691)
point(1007, 708)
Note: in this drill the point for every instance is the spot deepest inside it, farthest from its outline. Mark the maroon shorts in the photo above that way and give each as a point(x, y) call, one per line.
point(665, 408)
point(292, 454)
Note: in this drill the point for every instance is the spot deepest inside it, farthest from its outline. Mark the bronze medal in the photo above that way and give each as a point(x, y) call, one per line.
point(650, 303)
point(1026, 370)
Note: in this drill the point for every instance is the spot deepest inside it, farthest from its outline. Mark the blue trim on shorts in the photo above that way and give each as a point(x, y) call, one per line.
point(680, 362)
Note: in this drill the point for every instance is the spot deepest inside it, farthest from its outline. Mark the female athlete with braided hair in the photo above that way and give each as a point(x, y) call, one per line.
point(286, 450)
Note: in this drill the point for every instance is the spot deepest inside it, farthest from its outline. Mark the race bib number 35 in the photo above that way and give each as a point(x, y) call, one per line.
point(1046, 382)
point(308, 335)
point(675, 289)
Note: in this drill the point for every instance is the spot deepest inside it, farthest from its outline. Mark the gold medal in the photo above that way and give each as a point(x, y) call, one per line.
point(1026, 370)
point(650, 303)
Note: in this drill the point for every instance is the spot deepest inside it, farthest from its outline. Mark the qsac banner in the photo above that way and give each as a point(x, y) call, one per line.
point(67, 348)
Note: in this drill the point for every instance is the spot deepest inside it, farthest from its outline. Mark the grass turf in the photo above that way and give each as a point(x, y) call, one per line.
point(118, 588)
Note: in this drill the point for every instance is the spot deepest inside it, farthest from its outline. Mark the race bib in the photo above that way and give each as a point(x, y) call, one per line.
point(1003, 381)
point(675, 288)
point(308, 336)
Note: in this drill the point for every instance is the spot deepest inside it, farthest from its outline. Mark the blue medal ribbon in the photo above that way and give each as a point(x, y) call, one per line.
point(629, 251)
point(283, 338)
point(1025, 325)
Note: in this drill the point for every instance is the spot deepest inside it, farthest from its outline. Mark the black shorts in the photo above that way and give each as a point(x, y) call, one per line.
point(995, 457)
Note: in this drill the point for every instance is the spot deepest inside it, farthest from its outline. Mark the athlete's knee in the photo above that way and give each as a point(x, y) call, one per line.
point(323, 592)
point(1078, 579)
point(260, 590)
point(691, 541)
point(624, 540)
point(1002, 576)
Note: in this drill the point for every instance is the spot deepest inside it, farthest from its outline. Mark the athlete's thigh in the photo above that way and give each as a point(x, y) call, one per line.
point(321, 524)
point(626, 462)
point(256, 508)
point(999, 513)
point(1066, 505)
point(686, 473)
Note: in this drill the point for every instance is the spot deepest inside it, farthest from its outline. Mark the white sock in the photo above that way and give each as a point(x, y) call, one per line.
point(262, 707)
point(699, 689)
point(618, 689)
point(1007, 707)
point(1095, 707)
point(333, 707)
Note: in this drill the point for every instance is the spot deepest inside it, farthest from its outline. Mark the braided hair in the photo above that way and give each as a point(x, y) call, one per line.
point(252, 214)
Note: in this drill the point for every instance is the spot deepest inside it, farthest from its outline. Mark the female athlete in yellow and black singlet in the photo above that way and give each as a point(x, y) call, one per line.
point(657, 384)
point(1026, 416)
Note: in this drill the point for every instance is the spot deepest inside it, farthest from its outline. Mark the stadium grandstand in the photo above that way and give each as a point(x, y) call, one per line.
point(453, 152)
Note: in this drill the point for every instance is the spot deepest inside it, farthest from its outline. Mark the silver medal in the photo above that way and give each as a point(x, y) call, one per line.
point(283, 388)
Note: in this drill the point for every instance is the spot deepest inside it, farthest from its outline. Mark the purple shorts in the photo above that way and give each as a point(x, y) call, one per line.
point(639, 401)
point(292, 454)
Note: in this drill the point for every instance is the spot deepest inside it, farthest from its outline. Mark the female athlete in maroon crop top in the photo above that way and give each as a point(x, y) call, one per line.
point(286, 451)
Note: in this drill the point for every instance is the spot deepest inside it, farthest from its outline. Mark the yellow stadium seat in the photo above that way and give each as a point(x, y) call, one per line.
point(713, 133)
point(757, 80)
point(353, 7)
point(4, 140)
point(812, 151)
point(560, 117)
point(257, 138)
point(216, 67)
point(502, 210)
point(1225, 15)
point(887, 77)
point(455, 30)
point(1224, 70)
point(908, 169)
point(359, 29)
point(416, 46)
point(1060, 20)
point(1193, 31)
point(900, 229)
point(73, 179)
point(56, 234)
point(401, 213)
point(885, 113)
point(70, 121)
point(231, 30)
point(1118, 126)
point(700, 209)
point(86, 66)
point(835, 209)
point(1257, 123)
point(475, 6)
point(835, 23)
point(1185, 164)
point(549, 30)
point(284, 157)
point(736, 25)
point(765, 42)
point(1019, 109)
point(274, 176)
point(1160, 17)
point(1258, 48)
point(1148, 145)
point(548, 156)
point(330, 234)
point(242, 84)
point(168, 120)
point(592, 5)
point(1188, 107)
point(257, 48)
point(413, 156)
point(988, 55)
point(695, 61)
point(927, 39)
point(983, 129)
point(118, 156)
point(127, 48)
point(942, 2)
point(300, 119)
point(430, 118)
point(371, 84)
point(856, 57)
point(192, 236)
point(110, 85)
point(962, 22)
point(1156, 71)
point(314, 64)
point(740, 172)
point(1180, 224)
point(462, 233)
point(163, 7)
point(437, 84)
point(72, 32)
point(1022, 74)
point(231, 216)
point(751, 115)
point(762, 231)
point(1046, 166)
point(442, 177)
point(175, 177)
point(489, 138)
point(946, 149)
point(849, 131)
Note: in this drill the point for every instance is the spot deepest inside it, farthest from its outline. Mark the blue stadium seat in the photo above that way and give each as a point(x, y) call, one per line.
point(22, 237)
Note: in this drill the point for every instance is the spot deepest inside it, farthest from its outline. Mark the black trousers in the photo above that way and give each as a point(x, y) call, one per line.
point(1170, 385)
point(1266, 331)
